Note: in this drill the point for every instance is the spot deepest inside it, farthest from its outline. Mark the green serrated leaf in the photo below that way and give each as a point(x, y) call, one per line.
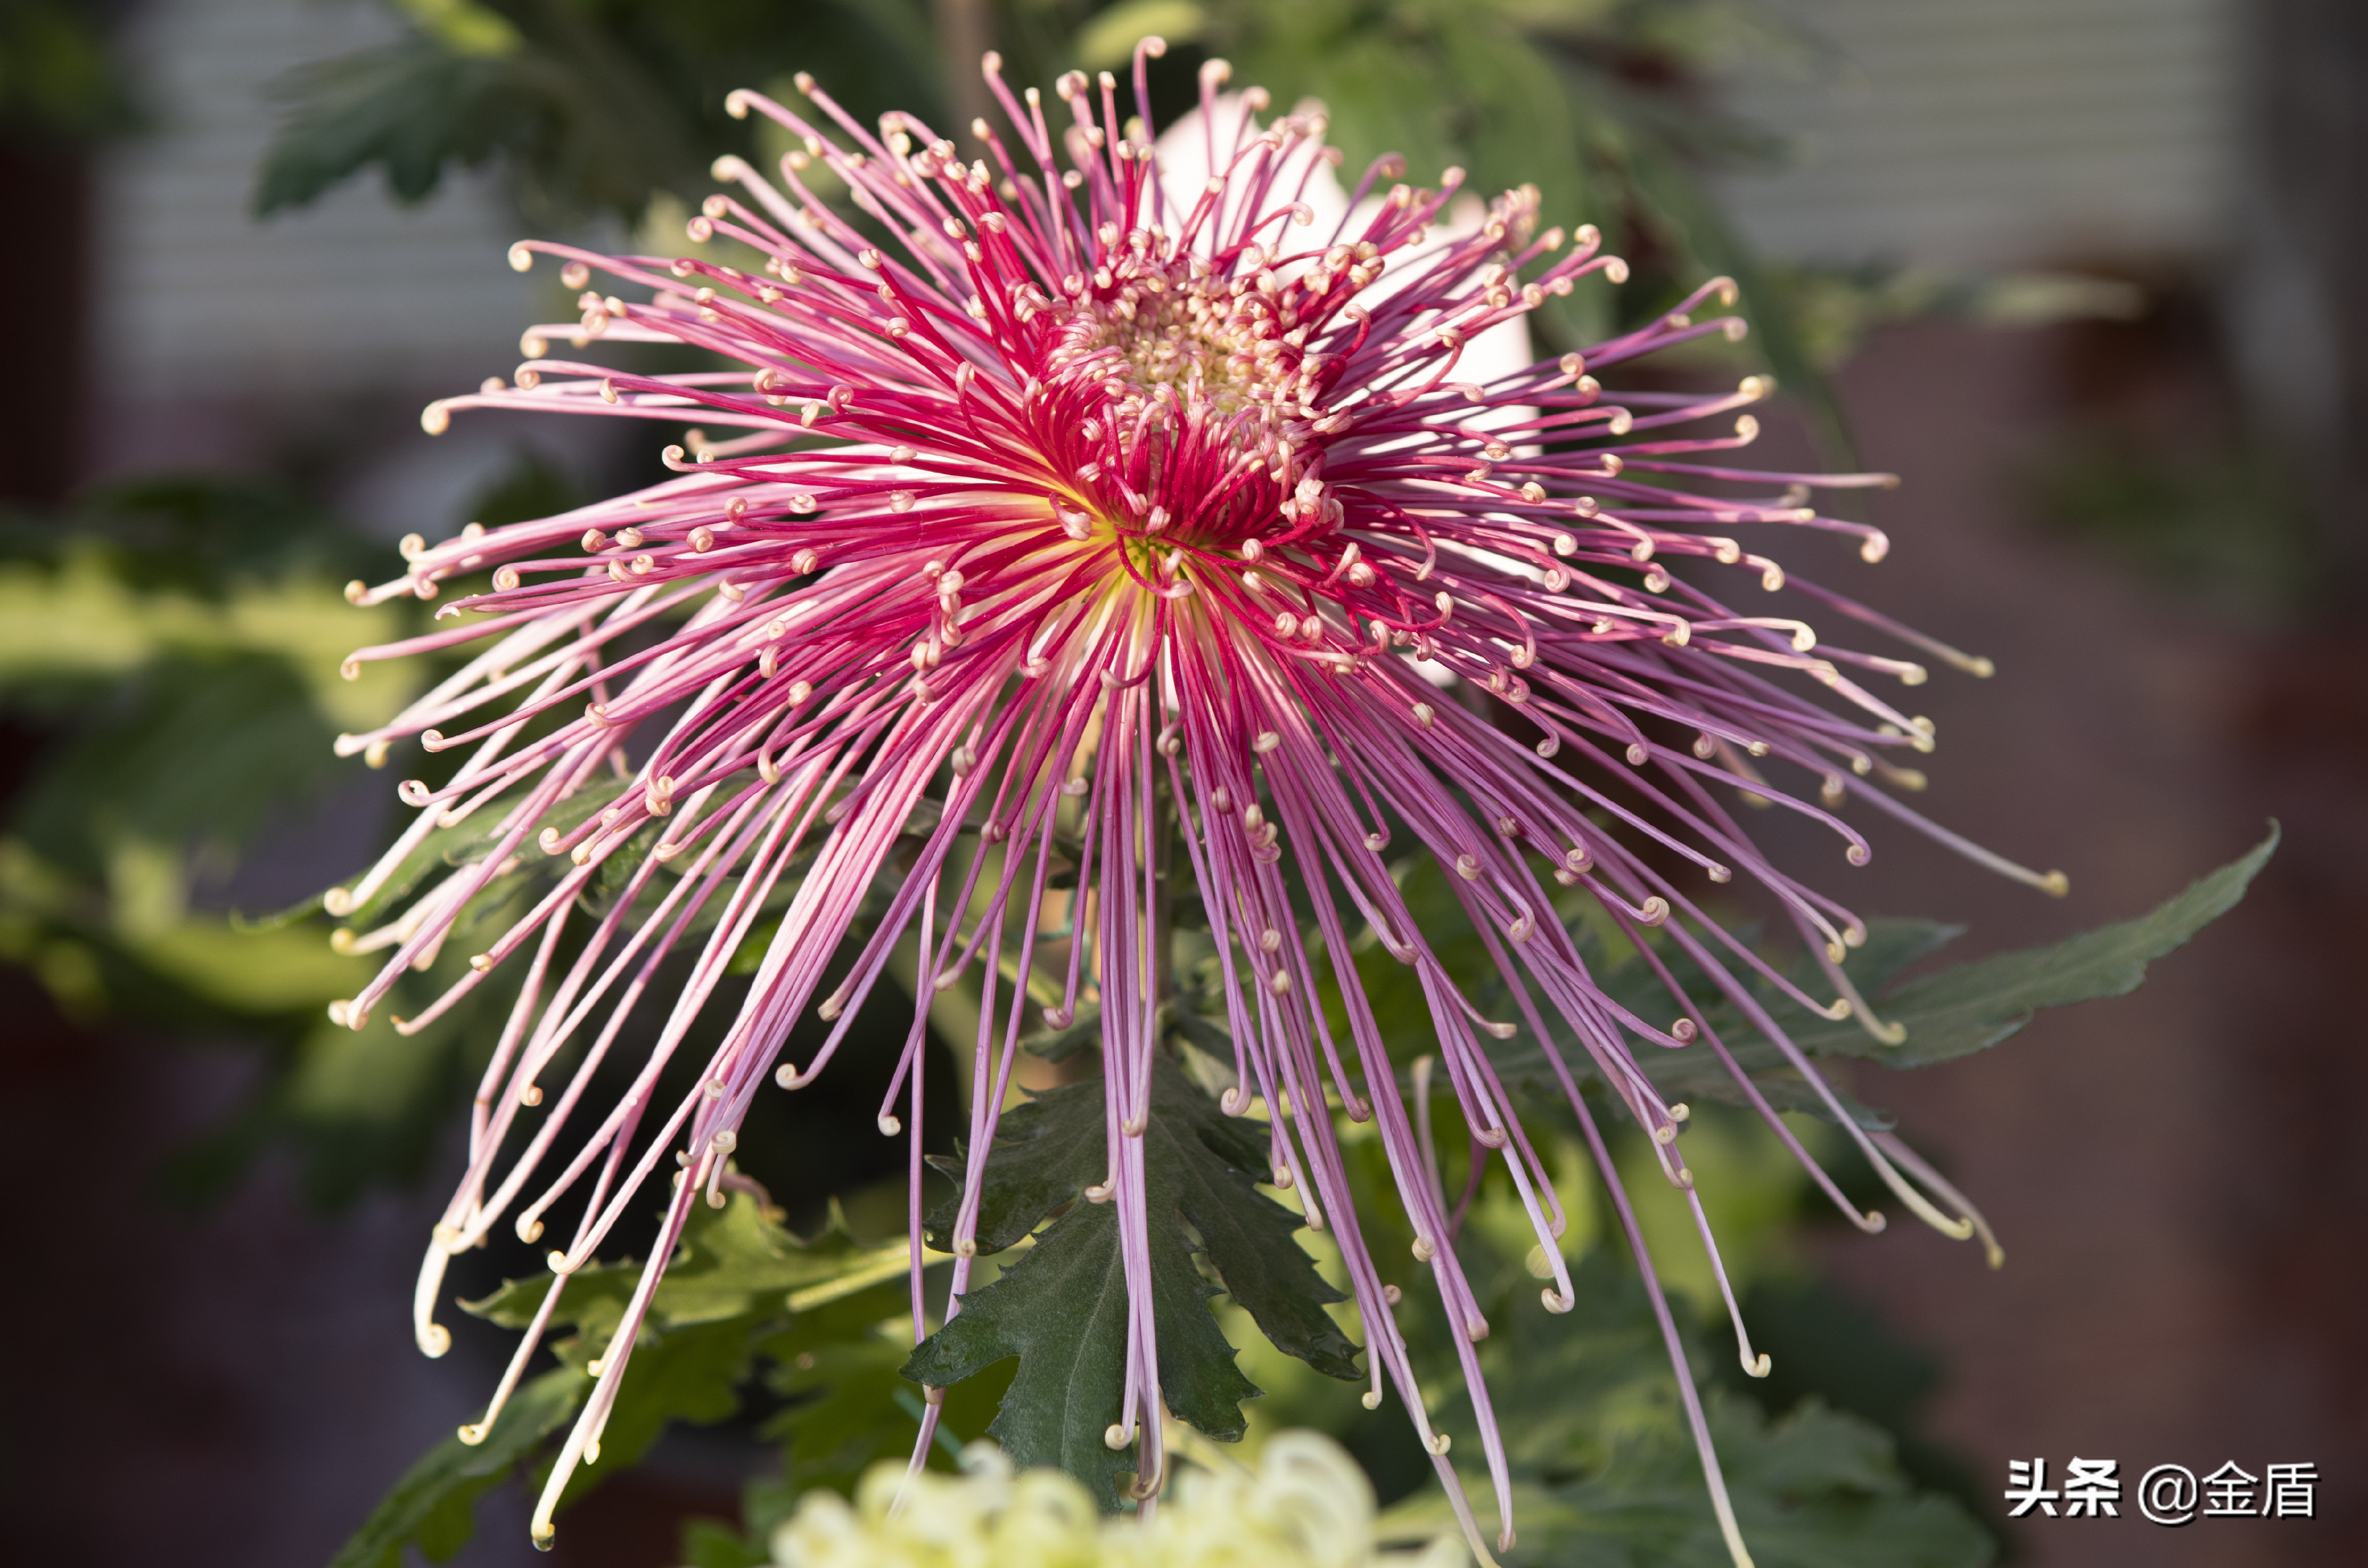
point(1975, 1005)
point(1061, 1309)
point(433, 1506)
point(1948, 1015)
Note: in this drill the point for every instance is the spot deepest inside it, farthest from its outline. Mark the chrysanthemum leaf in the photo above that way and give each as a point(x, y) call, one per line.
point(740, 1276)
point(1975, 1005)
point(1947, 1015)
point(744, 1287)
point(434, 1504)
point(1062, 1308)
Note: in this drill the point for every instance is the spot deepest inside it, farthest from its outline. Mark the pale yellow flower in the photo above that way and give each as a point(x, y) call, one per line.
point(1306, 1505)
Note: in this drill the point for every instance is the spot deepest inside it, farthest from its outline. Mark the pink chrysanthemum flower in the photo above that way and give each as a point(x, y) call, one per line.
point(1089, 481)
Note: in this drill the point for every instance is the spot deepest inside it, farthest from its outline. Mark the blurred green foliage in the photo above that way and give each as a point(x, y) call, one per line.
point(1605, 1475)
point(170, 655)
point(744, 1296)
point(175, 644)
point(58, 80)
point(589, 109)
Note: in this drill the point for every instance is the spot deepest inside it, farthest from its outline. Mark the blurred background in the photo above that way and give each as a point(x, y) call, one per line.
point(2083, 272)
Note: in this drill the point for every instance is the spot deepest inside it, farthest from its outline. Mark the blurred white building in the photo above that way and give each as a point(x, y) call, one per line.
point(219, 338)
point(202, 300)
point(1989, 132)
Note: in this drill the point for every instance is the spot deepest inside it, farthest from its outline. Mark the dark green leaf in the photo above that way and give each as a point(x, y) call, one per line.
point(59, 79)
point(433, 1506)
point(1975, 1005)
point(1085, 1034)
point(1947, 1015)
point(1061, 1309)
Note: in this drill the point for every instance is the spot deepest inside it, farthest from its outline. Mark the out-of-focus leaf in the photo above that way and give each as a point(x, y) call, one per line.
point(416, 107)
point(1680, 200)
point(434, 1506)
point(588, 107)
point(197, 750)
point(1834, 309)
point(1107, 40)
point(58, 78)
point(1605, 1473)
point(464, 27)
point(738, 1277)
point(247, 971)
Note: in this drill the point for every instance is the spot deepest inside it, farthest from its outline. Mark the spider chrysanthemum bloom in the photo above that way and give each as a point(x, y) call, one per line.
point(1124, 495)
